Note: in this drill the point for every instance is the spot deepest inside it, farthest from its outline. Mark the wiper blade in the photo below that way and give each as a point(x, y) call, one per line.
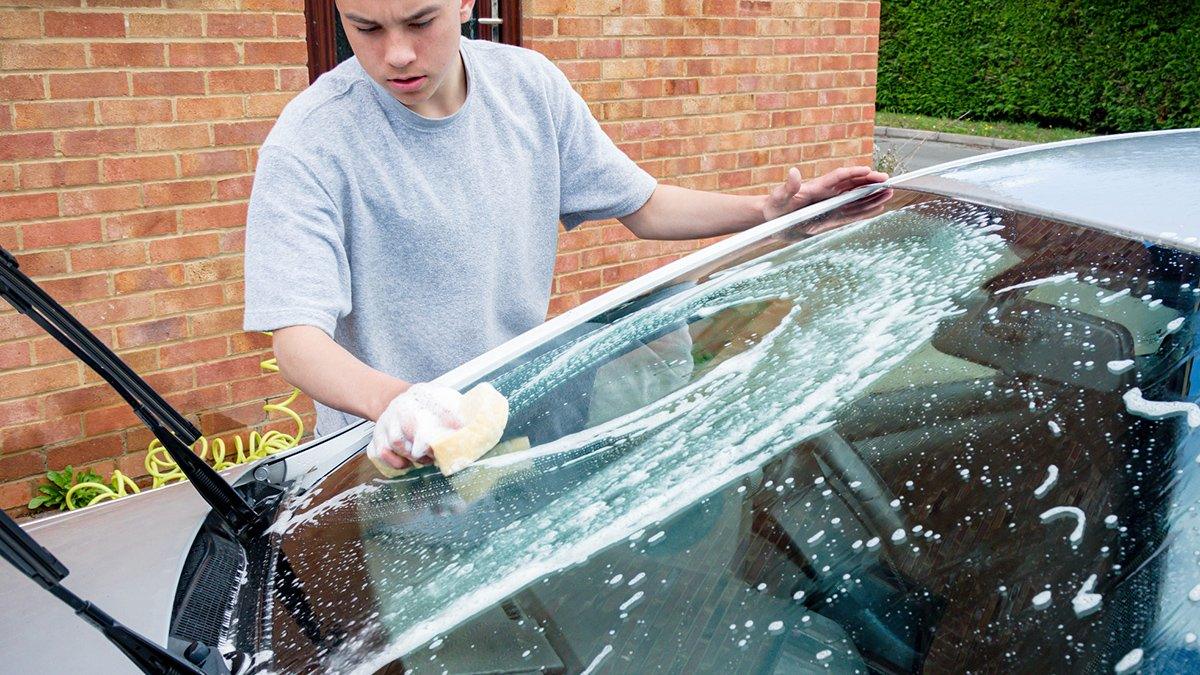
point(168, 425)
point(35, 562)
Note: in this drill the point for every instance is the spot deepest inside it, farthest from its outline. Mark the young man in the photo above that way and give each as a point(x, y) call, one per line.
point(405, 209)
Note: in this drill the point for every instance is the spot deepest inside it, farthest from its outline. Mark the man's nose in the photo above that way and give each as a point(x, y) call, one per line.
point(400, 52)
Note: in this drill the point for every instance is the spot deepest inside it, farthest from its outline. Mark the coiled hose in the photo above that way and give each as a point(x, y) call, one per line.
point(163, 470)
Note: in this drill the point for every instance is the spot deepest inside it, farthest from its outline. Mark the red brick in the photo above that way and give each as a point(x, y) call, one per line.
point(15, 354)
point(150, 332)
point(8, 183)
point(62, 173)
point(268, 105)
point(91, 84)
point(258, 389)
point(16, 412)
point(174, 137)
point(193, 352)
point(168, 83)
point(130, 225)
point(293, 79)
point(15, 25)
point(84, 24)
point(215, 322)
point(18, 56)
point(216, 217)
point(178, 192)
point(198, 400)
point(214, 163)
point(210, 108)
point(275, 53)
point(74, 289)
point(22, 87)
point(241, 81)
point(42, 264)
point(234, 188)
point(99, 200)
point(143, 168)
point(240, 25)
point(96, 422)
point(61, 233)
point(90, 142)
point(168, 381)
point(109, 256)
point(290, 25)
point(53, 114)
point(27, 146)
point(38, 380)
point(15, 326)
point(228, 370)
point(22, 465)
point(28, 207)
point(242, 133)
point(85, 451)
point(187, 299)
point(184, 248)
point(114, 310)
point(164, 25)
point(244, 342)
point(152, 278)
point(202, 54)
point(134, 111)
point(127, 54)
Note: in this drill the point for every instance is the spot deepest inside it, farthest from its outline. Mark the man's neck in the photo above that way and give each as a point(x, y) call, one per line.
point(449, 97)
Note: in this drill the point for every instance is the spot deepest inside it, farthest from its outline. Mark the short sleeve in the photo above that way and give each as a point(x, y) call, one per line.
point(297, 272)
point(597, 180)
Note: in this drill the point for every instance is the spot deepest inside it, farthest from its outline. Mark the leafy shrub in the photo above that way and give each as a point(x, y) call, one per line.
point(53, 493)
point(1093, 65)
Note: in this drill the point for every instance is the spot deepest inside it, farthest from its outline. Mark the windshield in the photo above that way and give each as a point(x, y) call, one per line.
point(938, 437)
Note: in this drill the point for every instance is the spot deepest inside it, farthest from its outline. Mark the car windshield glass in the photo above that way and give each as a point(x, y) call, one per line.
point(913, 435)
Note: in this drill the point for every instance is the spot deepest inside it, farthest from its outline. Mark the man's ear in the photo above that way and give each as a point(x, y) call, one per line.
point(464, 10)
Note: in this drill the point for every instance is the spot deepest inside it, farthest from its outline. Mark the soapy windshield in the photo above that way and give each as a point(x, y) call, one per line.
point(937, 437)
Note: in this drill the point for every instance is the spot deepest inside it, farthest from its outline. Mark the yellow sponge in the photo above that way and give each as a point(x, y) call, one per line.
point(485, 414)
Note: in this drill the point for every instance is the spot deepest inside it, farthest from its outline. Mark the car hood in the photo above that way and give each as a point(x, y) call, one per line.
point(125, 557)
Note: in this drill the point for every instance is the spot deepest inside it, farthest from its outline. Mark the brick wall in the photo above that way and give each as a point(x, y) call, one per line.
point(128, 131)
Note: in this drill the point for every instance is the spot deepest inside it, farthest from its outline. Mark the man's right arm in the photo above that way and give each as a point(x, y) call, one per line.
point(310, 360)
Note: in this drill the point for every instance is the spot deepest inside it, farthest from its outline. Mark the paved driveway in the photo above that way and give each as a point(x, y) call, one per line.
point(921, 149)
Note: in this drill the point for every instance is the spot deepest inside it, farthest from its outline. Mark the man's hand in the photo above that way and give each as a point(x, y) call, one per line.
point(411, 422)
point(793, 193)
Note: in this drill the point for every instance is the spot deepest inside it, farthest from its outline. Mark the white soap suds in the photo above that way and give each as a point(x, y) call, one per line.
point(1194, 594)
point(775, 627)
point(1085, 601)
point(1128, 662)
point(1114, 297)
point(596, 661)
point(1110, 521)
point(1157, 410)
point(1118, 367)
point(824, 654)
point(816, 537)
point(633, 600)
point(1175, 325)
point(1041, 600)
point(1054, 428)
point(1051, 479)
point(899, 535)
point(1063, 511)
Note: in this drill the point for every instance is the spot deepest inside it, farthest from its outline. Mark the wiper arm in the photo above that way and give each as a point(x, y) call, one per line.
point(35, 562)
point(170, 427)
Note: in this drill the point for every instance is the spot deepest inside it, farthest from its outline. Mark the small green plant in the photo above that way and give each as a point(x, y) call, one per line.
point(889, 161)
point(54, 491)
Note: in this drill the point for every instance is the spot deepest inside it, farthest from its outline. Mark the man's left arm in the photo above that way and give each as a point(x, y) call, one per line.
point(679, 213)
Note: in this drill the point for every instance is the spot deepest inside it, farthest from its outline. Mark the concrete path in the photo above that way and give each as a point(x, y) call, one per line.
point(920, 149)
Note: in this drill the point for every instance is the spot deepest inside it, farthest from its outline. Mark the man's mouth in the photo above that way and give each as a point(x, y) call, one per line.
point(406, 84)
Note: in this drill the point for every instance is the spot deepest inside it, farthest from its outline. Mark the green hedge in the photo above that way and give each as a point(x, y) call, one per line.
point(1096, 65)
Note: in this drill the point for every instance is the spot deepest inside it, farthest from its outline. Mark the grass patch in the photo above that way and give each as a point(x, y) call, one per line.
point(1009, 130)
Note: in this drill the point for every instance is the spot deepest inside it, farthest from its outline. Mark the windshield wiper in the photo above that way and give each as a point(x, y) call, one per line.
point(170, 427)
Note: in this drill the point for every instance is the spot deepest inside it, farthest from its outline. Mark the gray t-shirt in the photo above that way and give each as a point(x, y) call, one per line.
point(417, 243)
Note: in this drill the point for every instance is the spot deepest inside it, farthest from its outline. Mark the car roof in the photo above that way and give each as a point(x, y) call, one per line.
point(1145, 184)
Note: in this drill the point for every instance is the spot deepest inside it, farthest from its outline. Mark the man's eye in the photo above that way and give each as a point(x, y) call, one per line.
point(422, 24)
point(371, 29)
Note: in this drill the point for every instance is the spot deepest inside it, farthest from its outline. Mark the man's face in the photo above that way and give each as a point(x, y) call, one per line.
point(410, 47)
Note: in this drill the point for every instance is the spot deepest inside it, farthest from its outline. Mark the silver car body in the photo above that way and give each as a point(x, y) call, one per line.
point(126, 556)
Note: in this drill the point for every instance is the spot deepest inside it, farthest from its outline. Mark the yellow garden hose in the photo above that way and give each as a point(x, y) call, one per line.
point(163, 470)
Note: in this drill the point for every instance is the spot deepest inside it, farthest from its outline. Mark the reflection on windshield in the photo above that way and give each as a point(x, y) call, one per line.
point(898, 446)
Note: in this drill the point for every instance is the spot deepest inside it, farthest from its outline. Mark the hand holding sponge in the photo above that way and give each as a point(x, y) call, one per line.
point(456, 428)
